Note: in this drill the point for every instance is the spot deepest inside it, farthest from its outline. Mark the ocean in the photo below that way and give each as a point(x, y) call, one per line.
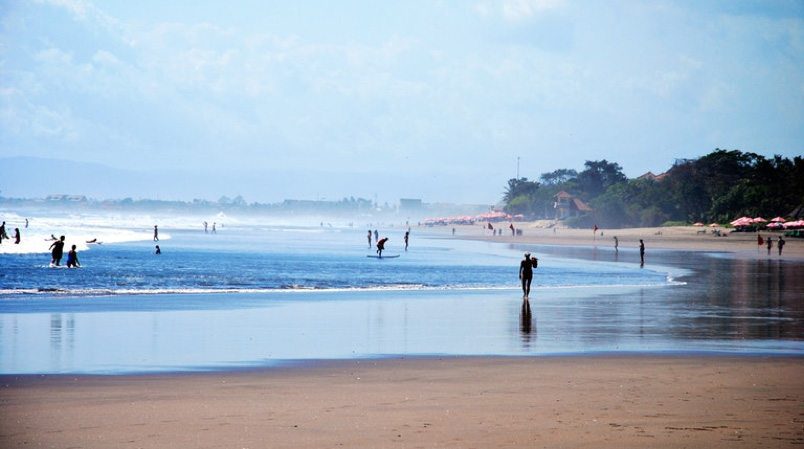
point(256, 294)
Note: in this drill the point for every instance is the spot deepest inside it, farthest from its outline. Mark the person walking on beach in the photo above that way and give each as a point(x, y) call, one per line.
point(641, 252)
point(376, 235)
point(780, 244)
point(526, 273)
point(369, 237)
point(214, 231)
point(407, 234)
point(72, 259)
point(16, 236)
point(769, 244)
point(57, 251)
point(513, 232)
point(156, 234)
point(205, 227)
point(3, 232)
point(381, 246)
point(616, 244)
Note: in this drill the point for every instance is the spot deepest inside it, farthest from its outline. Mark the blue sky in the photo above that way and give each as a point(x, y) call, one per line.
point(448, 93)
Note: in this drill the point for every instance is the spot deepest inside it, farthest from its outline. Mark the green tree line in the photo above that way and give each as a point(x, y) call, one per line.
point(717, 187)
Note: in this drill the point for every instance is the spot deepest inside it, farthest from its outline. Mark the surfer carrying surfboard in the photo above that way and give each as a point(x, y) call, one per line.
point(526, 273)
point(381, 245)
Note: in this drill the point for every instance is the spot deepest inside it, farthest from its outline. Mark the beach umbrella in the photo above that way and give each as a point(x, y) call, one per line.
point(742, 221)
point(759, 220)
point(778, 220)
point(698, 224)
point(775, 225)
point(714, 225)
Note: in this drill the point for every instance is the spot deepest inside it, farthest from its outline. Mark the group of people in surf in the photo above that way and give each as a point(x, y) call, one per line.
point(57, 252)
point(381, 241)
point(4, 235)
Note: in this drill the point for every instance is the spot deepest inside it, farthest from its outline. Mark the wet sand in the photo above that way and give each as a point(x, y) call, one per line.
point(557, 402)
point(592, 401)
point(687, 238)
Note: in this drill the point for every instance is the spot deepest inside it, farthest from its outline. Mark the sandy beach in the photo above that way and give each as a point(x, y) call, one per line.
point(636, 400)
point(575, 402)
point(686, 238)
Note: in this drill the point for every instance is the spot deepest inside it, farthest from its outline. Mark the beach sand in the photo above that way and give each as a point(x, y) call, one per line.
point(556, 402)
point(590, 401)
point(687, 238)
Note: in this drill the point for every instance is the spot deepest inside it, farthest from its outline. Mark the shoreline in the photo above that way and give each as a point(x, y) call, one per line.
point(589, 401)
point(741, 245)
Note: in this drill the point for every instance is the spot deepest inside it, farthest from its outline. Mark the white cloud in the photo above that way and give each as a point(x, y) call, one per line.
point(516, 10)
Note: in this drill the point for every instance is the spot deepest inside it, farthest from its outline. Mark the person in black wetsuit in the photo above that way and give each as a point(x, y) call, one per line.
point(526, 273)
point(407, 236)
point(57, 251)
point(369, 238)
point(72, 259)
point(641, 253)
point(381, 245)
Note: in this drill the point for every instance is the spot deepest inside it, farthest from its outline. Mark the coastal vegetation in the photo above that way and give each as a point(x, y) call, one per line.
point(717, 187)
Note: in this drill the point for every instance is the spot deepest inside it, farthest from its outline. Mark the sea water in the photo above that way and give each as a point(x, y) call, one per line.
point(254, 295)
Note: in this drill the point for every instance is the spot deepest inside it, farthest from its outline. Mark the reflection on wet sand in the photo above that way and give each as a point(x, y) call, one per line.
point(526, 328)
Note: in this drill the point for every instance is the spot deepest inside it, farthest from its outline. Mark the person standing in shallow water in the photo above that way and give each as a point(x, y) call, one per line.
point(769, 244)
point(641, 252)
point(57, 251)
point(526, 273)
point(780, 244)
point(72, 259)
point(369, 238)
point(17, 236)
point(407, 235)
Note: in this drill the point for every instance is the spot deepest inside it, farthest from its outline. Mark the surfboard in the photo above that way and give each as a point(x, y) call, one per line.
point(391, 256)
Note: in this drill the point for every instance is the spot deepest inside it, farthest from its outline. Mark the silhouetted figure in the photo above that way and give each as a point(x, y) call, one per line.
point(616, 244)
point(780, 244)
point(513, 232)
point(205, 227)
point(376, 235)
point(3, 232)
point(158, 250)
point(26, 223)
point(453, 231)
point(57, 251)
point(156, 234)
point(769, 244)
point(369, 238)
point(214, 231)
point(72, 259)
point(641, 253)
point(526, 273)
point(381, 245)
point(17, 236)
point(407, 234)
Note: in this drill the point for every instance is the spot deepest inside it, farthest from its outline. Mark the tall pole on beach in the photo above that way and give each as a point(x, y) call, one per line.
point(517, 167)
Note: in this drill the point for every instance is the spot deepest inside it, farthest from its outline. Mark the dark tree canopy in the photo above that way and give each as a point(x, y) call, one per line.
point(719, 186)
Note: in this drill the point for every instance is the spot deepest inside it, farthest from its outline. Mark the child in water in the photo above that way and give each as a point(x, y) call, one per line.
point(72, 259)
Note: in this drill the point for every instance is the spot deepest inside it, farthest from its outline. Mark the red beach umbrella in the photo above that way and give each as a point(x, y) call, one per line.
point(778, 220)
point(759, 220)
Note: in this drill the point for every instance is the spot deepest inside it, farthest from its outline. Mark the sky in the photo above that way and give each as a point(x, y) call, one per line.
point(439, 98)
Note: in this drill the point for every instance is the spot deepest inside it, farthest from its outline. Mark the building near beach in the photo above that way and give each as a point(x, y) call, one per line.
point(569, 206)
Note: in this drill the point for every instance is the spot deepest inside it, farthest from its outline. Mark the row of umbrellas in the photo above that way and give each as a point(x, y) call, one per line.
point(775, 223)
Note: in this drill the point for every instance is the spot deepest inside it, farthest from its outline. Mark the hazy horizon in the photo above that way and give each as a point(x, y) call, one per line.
point(423, 99)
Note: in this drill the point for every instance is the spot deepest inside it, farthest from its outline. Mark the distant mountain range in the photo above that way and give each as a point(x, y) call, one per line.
point(33, 177)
